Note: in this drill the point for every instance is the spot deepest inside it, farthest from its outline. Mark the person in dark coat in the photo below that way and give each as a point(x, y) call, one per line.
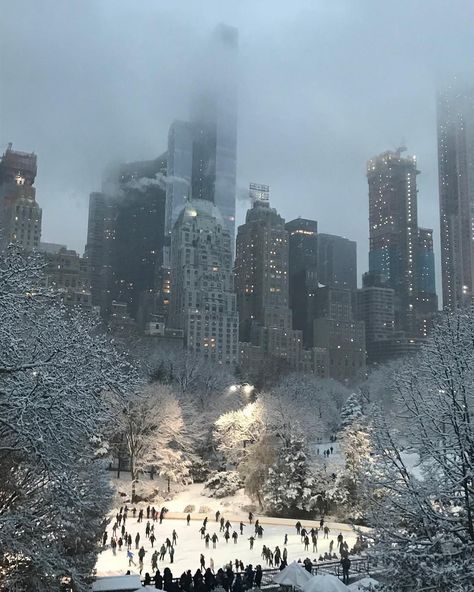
point(188, 519)
point(167, 580)
point(237, 586)
point(346, 566)
point(147, 580)
point(242, 525)
point(158, 580)
point(258, 576)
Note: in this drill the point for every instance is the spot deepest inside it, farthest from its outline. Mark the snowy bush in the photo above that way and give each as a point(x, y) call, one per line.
point(223, 484)
point(204, 510)
point(189, 509)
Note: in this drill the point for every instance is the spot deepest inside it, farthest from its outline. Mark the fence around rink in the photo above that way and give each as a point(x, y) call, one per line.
point(359, 565)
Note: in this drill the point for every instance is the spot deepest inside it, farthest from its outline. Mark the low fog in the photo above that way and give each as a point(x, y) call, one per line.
point(323, 86)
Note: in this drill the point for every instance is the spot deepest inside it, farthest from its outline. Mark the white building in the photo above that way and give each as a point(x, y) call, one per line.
point(203, 302)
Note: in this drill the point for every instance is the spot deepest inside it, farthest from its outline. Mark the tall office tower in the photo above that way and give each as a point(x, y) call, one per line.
point(99, 247)
point(179, 173)
point(261, 268)
point(203, 152)
point(303, 274)
point(456, 193)
point(336, 329)
point(394, 235)
point(20, 214)
point(126, 236)
point(203, 301)
point(337, 261)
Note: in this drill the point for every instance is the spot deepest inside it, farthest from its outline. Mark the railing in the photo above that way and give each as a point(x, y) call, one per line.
point(359, 565)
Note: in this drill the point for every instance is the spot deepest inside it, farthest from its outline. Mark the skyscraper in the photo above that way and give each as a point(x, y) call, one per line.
point(20, 214)
point(261, 273)
point(202, 153)
point(126, 236)
point(397, 246)
point(337, 261)
point(303, 274)
point(179, 172)
point(203, 301)
point(456, 193)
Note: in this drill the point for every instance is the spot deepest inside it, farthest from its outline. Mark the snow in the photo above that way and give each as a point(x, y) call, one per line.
point(325, 583)
point(190, 546)
point(293, 575)
point(363, 585)
point(114, 584)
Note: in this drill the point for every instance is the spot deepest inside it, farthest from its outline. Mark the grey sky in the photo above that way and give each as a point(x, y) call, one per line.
point(324, 85)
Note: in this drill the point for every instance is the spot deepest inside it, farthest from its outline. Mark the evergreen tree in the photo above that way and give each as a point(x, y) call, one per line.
point(289, 487)
point(352, 410)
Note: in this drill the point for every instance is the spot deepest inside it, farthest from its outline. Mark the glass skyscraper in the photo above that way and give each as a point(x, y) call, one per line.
point(202, 153)
point(456, 193)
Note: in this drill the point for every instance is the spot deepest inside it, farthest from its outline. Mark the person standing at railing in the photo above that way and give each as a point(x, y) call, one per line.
point(258, 576)
point(346, 566)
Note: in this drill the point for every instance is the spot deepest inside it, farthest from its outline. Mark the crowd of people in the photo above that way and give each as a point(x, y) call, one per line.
point(235, 576)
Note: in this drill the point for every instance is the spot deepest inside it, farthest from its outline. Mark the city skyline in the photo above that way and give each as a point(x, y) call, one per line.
point(311, 156)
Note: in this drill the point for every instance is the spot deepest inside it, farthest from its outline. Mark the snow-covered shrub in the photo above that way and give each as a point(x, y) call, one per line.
point(223, 484)
point(204, 510)
point(189, 509)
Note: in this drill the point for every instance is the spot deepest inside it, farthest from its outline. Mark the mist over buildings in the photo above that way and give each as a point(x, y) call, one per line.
point(323, 87)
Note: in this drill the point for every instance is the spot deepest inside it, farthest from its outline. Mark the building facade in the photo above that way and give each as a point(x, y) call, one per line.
point(20, 214)
point(337, 261)
point(126, 239)
point(400, 251)
point(67, 274)
point(303, 274)
point(203, 302)
point(455, 113)
point(336, 329)
point(262, 274)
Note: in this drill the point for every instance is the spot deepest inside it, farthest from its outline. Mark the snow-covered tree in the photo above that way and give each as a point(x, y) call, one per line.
point(237, 431)
point(223, 484)
point(151, 429)
point(58, 380)
point(289, 487)
point(357, 448)
point(424, 515)
point(351, 411)
point(254, 469)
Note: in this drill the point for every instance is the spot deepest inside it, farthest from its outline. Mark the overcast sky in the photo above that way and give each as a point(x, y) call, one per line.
point(324, 85)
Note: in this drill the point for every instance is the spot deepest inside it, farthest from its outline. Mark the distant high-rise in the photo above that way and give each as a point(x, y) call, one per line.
point(262, 284)
point(456, 193)
point(126, 236)
point(179, 173)
point(203, 301)
point(261, 268)
point(303, 273)
point(399, 250)
point(20, 214)
point(202, 153)
point(337, 261)
point(336, 329)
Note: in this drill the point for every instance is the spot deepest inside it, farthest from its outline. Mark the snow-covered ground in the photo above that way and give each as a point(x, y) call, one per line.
point(190, 545)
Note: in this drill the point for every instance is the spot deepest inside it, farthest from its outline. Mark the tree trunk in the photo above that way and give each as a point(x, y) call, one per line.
point(169, 482)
